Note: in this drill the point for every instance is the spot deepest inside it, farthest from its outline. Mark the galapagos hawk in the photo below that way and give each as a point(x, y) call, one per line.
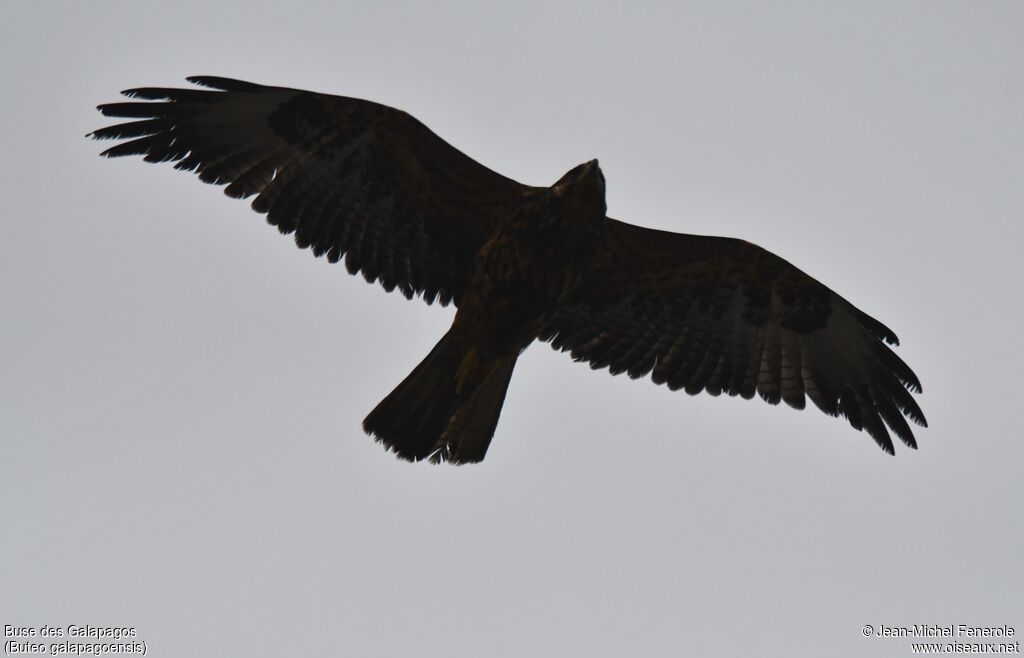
point(359, 181)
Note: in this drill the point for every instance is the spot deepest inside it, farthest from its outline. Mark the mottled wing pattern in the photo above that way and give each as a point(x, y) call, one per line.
point(724, 316)
point(350, 178)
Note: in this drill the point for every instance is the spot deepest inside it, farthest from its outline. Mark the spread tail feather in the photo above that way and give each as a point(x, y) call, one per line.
point(440, 413)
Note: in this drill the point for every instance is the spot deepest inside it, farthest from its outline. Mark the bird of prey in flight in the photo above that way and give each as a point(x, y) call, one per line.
point(370, 184)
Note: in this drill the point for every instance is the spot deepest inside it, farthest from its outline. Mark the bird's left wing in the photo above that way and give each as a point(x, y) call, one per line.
point(350, 178)
point(721, 315)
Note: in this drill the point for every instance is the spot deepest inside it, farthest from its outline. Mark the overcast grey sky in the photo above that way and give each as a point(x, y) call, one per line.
point(181, 390)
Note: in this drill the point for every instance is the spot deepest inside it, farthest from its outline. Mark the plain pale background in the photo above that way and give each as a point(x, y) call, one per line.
point(181, 390)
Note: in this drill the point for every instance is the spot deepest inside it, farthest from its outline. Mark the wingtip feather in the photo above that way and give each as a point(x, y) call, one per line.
point(223, 84)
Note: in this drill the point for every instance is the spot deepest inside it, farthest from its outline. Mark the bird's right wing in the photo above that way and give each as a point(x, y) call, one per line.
point(350, 178)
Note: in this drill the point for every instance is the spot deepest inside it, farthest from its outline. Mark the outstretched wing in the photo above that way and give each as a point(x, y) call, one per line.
point(348, 177)
point(725, 316)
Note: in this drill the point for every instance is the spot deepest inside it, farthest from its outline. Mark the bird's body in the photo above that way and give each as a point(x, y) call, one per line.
point(360, 181)
point(525, 272)
point(517, 281)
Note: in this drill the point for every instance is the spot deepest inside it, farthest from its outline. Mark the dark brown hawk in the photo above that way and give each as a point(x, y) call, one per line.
point(368, 183)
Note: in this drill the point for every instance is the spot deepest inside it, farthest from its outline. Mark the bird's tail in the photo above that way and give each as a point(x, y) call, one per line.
point(446, 409)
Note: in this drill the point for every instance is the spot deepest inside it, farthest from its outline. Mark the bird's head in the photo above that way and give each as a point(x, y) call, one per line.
point(584, 185)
